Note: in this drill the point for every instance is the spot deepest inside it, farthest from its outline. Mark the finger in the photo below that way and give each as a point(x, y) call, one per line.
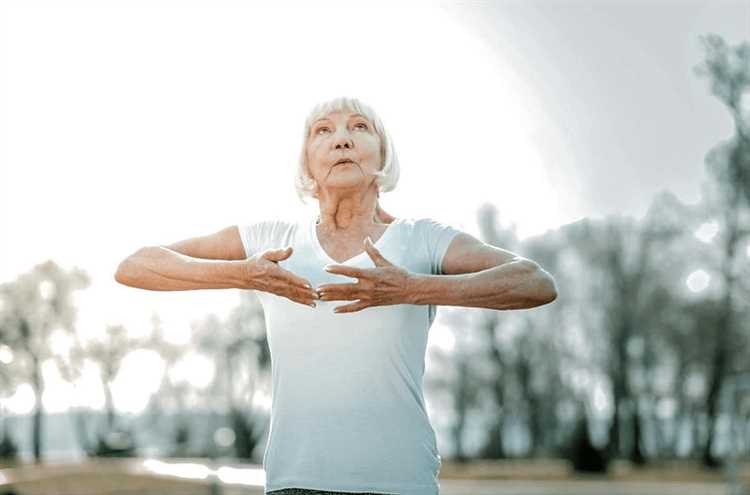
point(375, 255)
point(282, 288)
point(308, 294)
point(350, 308)
point(350, 295)
point(349, 271)
point(303, 297)
point(291, 278)
point(297, 280)
point(333, 288)
point(278, 254)
point(303, 301)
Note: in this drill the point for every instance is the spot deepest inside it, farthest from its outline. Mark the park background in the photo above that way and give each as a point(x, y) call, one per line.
point(606, 140)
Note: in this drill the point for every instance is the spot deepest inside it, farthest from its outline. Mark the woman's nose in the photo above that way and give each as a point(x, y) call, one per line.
point(343, 140)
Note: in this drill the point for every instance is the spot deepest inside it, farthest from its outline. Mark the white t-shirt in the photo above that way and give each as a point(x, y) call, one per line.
point(347, 410)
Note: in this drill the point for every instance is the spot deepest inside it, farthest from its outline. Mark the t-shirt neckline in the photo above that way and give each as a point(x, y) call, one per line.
point(323, 254)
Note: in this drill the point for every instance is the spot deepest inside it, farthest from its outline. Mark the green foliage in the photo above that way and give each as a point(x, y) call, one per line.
point(728, 71)
point(727, 68)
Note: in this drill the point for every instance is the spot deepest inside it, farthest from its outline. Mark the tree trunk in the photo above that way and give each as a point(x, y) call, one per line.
point(461, 408)
point(722, 333)
point(493, 447)
point(536, 419)
point(619, 391)
point(36, 427)
point(110, 406)
point(697, 439)
point(457, 434)
point(636, 452)
point(712, 400)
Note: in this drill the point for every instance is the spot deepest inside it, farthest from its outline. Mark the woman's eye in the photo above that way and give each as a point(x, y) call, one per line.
point(321, 128)
point(364, 126)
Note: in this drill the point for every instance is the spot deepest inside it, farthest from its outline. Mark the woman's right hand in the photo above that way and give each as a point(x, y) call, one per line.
point(266, 275)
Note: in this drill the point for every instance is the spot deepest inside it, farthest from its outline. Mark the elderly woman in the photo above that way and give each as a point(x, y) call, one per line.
point(349, 296)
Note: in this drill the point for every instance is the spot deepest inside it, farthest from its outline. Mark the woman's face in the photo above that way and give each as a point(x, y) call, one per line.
point(338, 136)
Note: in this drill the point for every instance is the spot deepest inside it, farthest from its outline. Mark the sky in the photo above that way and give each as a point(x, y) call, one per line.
point(142, 123)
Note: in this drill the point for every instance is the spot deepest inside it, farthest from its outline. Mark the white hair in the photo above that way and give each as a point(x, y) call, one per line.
point(387, 177)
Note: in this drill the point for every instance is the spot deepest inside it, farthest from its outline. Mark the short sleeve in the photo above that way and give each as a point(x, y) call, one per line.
point(248, 234)
point(262, 235)
point(437, 237)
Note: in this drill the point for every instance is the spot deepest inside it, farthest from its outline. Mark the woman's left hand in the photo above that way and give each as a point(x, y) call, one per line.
point(380, 286)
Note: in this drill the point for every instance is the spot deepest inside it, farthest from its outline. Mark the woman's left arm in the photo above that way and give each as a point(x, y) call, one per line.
point(479, 275)
point(476, 275)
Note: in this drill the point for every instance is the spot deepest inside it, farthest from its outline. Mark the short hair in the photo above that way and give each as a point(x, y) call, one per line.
point(387, 177)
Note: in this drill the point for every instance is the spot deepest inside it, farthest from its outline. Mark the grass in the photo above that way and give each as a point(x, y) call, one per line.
point(126, 476)
point(559, 469)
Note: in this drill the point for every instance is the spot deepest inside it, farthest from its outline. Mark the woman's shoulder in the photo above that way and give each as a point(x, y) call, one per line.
point(428, 229)
point(261, 233)
point(271, 228)
point(274, 223)
point(428, 223)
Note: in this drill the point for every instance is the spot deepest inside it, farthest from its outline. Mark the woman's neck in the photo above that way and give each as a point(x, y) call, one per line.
point(350, 213)
point(348, 220)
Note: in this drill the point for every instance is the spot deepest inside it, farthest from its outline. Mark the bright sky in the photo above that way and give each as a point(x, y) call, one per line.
point(141, 123)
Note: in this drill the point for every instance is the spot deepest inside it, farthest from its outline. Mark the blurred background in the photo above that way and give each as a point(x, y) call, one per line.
point(607, 140)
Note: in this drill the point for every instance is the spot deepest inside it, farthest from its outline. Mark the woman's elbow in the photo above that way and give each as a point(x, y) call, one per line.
point(551, 290)
point(545, 289)
point(121, 274)
point(124, 273)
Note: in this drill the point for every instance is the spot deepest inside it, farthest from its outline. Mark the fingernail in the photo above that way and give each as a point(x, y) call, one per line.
point(369, 240)
point(327, 268)
point(308, 286)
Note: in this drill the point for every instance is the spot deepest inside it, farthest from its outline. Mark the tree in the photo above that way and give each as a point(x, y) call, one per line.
point(627, 287)
point(171, 392)
point(237, 343)
point(35, 305)
point(459, 379)
point(489, 325)
point(542, 354)
point(728, 164)
point(108, 354)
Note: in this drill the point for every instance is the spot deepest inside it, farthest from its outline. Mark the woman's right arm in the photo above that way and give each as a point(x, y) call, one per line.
point(215, 261)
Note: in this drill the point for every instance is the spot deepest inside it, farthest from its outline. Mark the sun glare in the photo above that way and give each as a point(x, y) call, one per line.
point(698, 280)
point(195, 369)
point(707, 231)
point(231, 103)
point(137, 380)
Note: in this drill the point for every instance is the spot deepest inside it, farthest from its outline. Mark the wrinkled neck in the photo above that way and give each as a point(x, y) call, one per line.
point(355, 212)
